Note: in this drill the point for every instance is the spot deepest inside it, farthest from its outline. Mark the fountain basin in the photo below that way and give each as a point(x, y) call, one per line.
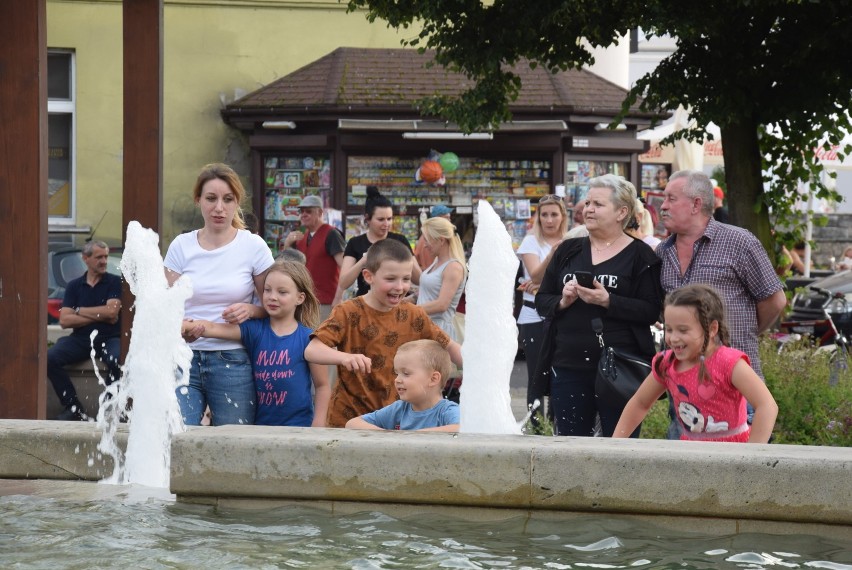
point(767, 488)
point(32, 449)
point(758, 482)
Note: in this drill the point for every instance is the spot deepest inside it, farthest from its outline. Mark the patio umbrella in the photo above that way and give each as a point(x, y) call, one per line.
point(688, 155)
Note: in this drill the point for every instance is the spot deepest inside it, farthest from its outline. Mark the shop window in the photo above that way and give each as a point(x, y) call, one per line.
point(288, 179)
point(60, 136)
point(578, 172)
point(654, 178)
point(511, 186)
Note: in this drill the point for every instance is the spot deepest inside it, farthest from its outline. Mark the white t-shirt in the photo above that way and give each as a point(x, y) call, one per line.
point(219, 278)
point(577, 231)
point(531, 245)
point(653, 241)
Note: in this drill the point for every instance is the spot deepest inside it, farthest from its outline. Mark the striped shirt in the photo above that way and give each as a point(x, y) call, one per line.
point(733, 261)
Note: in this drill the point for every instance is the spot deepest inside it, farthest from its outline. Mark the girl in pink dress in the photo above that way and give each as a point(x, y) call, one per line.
point(708, 381)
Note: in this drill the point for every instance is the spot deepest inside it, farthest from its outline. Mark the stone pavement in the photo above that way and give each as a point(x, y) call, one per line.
point(518, 389)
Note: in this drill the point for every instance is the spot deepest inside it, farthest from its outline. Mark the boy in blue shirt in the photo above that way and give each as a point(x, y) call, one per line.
point(422, 367)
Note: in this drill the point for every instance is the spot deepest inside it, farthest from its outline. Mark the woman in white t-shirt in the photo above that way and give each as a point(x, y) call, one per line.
point(548, 231)
point(227, 266)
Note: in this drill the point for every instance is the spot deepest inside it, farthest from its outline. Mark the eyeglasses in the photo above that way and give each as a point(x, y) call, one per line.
point(549, 198)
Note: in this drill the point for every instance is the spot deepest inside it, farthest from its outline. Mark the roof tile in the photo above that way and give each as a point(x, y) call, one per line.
point(370, 77)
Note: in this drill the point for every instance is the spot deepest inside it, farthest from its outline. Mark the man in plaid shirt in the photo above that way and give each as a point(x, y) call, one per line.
point(731, 259)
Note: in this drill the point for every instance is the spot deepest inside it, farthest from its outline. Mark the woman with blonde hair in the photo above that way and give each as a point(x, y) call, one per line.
point(294, 311)
point(643, 227)
point(227, 265)
point(442, 283)
point(549, 227)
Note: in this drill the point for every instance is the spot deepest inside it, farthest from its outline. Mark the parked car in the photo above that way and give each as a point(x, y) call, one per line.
point(65, 265)
point(821, 300)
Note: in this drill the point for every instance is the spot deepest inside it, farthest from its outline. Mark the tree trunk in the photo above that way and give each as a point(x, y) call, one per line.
point(745, 184)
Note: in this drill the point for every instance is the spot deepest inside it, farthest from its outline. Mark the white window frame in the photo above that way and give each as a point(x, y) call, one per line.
point(68, 107)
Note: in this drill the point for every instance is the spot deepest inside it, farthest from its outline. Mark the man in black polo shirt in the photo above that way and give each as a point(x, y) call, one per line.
point(92, 303)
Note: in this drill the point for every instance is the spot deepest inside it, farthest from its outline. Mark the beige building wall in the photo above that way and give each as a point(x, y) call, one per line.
point(93, 31)
point(612, 62)
point(214, 52)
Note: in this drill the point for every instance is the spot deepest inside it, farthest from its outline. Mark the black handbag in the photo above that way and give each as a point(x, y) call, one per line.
point(619, 374)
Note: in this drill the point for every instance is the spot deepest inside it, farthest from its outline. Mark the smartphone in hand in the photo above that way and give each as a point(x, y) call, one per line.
point(584, 279)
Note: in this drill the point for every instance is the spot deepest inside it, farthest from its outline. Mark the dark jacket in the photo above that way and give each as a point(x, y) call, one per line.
point(623, 307)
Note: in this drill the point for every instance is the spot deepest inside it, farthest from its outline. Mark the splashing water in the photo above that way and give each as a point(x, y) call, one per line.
point(491, 334)
point(157, 363)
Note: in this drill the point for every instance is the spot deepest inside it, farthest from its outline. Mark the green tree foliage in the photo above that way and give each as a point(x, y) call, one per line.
point(742, 64)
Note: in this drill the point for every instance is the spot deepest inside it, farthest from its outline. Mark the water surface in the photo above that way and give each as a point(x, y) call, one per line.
point(132, 527)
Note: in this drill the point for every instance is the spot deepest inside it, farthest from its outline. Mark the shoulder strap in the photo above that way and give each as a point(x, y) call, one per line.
point(597, 326)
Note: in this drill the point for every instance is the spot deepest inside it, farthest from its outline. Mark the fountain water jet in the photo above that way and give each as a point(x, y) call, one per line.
point(491, 334)
point(158, 361)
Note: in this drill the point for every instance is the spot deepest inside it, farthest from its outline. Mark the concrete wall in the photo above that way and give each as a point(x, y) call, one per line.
point(93, 31)
point(832, 238)
point(613, 62)
point(215, 51)
point(712, 488)
point(83, 377)
point(54, 450)
point(86, 383)
point(761, 482)
point(651, 52)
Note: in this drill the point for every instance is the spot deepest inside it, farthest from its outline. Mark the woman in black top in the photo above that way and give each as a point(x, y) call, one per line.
point(626, 296)
point(378, 217)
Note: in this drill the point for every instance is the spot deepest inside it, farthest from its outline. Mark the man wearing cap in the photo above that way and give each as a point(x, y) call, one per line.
point(323, 246)
point(720, 212)
point(421, 253)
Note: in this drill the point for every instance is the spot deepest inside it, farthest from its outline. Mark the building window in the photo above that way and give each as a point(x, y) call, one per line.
point(60, 136)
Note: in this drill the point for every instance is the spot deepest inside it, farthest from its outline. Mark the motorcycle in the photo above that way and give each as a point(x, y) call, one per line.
point(823, 313)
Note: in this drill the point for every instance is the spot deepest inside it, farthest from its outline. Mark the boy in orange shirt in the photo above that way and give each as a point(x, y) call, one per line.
point(366, 332)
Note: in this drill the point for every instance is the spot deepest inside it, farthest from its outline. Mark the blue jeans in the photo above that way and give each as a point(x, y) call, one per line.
point(572, 396)
point(76, 348)
point(223, 380)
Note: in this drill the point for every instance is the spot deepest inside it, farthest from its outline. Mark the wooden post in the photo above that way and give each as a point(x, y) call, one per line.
point(143, 125)
point(23, 209)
